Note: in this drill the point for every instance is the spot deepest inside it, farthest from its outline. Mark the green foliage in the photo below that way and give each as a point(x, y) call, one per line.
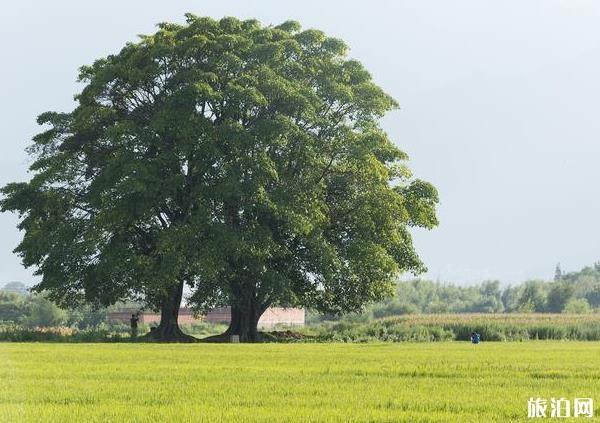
point(242, 160)
point(458, 327)
point(43, 312)
point(30, 311)
point(12, 306)
point(14, 333)
point(86, 316)
point(380, 331)
point(559, 295)
point(205, 329)
point(422, 296)
point(101, 332)
point(576, 292)
point(577, 306)
point(533, 297)
point(37, 310)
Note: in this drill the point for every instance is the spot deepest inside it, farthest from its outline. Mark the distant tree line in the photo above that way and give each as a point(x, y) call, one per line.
point(19, 307)
point(575, 292)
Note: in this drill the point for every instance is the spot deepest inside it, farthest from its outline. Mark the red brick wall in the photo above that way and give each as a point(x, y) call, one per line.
point(218, 315)
point(287, 316)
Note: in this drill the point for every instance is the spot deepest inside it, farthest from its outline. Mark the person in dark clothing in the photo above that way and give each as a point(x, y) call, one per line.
point(475, 337)
point(134, 325)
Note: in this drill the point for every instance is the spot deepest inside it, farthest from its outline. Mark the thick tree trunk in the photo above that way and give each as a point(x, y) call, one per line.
point(168, 330)
point(244, 323)
point(245, 313)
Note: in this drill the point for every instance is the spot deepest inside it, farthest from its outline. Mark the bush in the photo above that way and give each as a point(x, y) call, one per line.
point(43, 312)
point(577, 306)
point(16, 333)
point(204, 329)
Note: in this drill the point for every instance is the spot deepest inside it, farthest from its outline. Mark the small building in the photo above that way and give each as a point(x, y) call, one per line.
point(274, 316)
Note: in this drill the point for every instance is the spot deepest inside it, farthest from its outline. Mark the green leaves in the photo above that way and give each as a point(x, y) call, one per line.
point(232, 156)
point(420, 199)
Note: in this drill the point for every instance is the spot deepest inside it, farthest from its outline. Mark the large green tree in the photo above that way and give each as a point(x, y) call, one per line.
point(244, 161)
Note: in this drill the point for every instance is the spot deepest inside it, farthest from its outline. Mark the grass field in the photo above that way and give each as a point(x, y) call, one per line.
point(414, 382)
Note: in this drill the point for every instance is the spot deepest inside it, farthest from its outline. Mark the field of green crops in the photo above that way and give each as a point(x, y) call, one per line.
point(413, 382)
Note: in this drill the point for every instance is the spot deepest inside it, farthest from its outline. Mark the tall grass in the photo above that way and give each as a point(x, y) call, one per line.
point(444, 327)
point(102, 333)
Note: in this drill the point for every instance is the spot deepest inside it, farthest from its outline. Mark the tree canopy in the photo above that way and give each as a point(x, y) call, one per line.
point(244, 161)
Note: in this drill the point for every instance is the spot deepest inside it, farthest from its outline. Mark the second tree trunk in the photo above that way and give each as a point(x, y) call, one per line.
point(244, 320)
point(168, 330)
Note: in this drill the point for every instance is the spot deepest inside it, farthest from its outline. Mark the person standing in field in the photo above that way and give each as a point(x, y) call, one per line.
point(475, 337)
point(134, 325)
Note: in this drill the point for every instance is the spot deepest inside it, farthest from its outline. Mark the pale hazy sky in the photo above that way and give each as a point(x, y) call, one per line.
point(499, 109)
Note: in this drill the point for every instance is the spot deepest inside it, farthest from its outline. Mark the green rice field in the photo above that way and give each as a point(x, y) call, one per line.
point(412, 382)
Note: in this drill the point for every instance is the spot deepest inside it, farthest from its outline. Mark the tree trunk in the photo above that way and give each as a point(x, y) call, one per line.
point(168, 330)
point(244, 319)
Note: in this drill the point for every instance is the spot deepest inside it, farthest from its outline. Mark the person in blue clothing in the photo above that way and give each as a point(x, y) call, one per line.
point(475, 337)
